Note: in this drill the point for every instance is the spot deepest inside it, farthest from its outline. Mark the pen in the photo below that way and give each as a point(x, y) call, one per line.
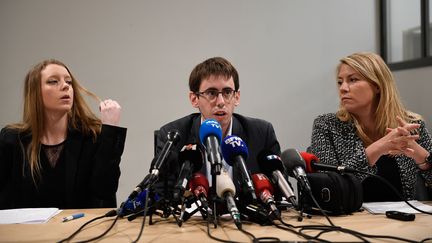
point(74, 216)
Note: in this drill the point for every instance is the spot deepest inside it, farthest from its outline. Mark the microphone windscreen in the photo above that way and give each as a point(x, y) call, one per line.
point(198, 179)
point(192, 153)
point(173, 136)
point(309, 159)
point(292, 159)
point(269, 162)
point(233, 146)
point(208, 128)
point(224, 184)
point(261, 183)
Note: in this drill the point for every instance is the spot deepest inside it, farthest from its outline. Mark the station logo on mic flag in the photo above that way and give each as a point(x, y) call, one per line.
point(210, 128)
point(189, 147)
point(233, 146)
point(234, 141)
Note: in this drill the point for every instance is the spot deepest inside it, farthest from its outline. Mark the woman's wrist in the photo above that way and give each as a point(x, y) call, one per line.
point(373, 153)
point(425, 165)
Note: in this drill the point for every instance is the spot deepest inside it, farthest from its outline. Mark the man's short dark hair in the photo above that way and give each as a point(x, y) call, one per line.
point(216, 66)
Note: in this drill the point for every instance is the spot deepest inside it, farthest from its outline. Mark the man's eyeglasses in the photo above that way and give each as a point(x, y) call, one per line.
point(212, 94)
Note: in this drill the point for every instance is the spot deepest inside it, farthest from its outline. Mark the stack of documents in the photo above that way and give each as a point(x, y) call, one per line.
point(27, 215)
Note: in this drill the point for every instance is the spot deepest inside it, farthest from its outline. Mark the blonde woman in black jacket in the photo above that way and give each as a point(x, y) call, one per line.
point(61, 154)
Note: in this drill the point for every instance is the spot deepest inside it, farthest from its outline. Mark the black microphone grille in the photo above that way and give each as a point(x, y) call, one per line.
point(292, 158)
point(173, 136)
point(269, 161)
point(194, 154)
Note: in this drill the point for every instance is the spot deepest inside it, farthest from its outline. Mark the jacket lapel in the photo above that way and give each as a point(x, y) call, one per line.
point(237, 129)
point(194, 136)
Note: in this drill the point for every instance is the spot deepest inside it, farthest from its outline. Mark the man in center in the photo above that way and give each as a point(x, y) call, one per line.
point(214, 91)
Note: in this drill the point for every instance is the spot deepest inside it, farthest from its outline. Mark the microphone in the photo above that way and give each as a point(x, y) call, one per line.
point(272, 165)
point(225, 189)
point(172, 138)
point(191, 160)
point(134, 205)
point(296, 167)
point(235, 152)
point(199, 186)
point(264, 190)
point(210, 136)
point(313, 165)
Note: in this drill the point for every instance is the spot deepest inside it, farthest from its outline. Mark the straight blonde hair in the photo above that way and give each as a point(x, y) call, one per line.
point(80, 117)
point(373, 68)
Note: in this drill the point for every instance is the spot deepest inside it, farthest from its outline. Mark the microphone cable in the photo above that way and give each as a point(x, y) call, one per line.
point(104, 233)
point(291, 228)
point(389, 185)
point(381, 179)
point(108, 214)
point(319, 207)
point(214, 237)
point(394, 190)
point(328, 229)
point(426, 239)
point(253, 237)
point(325, 229)
point(144, 216)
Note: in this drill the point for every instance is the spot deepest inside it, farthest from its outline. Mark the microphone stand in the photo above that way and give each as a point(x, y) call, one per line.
point(301, 206)
point(215, 170)
point(216, 166)
point(164, 205)
point(302, 214)
point(143, 210)
point(184, 215)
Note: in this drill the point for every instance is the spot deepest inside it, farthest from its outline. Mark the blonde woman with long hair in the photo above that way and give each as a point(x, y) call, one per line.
point(61, 154)
point(372, 131)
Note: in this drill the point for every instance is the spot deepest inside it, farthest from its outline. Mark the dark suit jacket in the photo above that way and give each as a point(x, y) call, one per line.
point(92, 169)
point(256, 133)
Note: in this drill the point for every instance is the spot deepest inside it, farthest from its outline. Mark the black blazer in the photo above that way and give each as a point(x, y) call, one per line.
point(92, 169)
point(256, 133)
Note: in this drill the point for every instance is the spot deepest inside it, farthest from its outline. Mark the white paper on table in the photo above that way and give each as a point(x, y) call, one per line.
point(382, 207)
point(27, 215)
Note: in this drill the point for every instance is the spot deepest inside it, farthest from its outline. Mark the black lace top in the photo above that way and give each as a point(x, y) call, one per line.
point(53, 180)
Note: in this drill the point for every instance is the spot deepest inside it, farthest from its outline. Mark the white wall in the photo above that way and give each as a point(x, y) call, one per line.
point(415, 86)
point(141, 54)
